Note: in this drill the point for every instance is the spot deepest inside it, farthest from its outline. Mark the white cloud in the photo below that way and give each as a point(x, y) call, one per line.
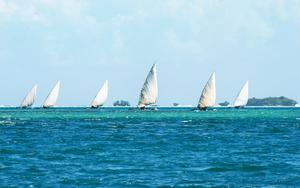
point(74, 11)
point(184, 24)
point(7, 8)
point(255, 21)
point(19, 10)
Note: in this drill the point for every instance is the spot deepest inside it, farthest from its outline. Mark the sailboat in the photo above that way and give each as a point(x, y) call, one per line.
point(52, 97)
point(29, 98)
point(208, 96)
point(101, 96)
point(149, 92)
point(242, 98)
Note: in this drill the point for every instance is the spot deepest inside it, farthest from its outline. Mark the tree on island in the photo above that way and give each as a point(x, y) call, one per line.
point(121, 103)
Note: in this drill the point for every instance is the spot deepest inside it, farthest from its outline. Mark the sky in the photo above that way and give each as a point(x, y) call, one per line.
point(82, 43)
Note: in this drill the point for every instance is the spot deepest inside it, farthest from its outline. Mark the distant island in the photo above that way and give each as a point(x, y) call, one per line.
point(226, 103)
point(121, 103)
point(272, 101)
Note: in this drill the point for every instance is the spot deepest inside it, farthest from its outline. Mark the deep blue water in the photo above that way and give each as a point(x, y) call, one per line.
point(77, 147)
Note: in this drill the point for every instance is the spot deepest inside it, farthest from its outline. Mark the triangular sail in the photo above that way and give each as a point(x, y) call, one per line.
point(29, 98)
point(149, 91)
point(101, 97)
point(242, 98)
point(208, 96)
point(53, 96)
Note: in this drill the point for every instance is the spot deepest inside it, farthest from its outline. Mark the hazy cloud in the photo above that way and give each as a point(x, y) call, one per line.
point(43, 11)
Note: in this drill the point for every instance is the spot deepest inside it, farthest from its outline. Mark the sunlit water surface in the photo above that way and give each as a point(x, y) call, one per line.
point(171, 147)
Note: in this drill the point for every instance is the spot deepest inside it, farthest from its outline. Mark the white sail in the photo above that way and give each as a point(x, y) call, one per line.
point(101, 97)
point(149, 91)
point(53, 96)
point(208, 96)
point(242, 98)
point(29, 98)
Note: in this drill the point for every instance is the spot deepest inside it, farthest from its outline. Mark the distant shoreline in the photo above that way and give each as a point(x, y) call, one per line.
point(132, 107)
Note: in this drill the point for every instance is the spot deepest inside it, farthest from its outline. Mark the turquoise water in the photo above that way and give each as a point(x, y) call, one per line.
point(171, 147)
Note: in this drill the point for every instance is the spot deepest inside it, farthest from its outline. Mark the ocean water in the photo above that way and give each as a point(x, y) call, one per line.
point(171, 147)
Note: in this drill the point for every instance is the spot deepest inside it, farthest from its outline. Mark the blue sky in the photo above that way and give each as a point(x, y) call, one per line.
point(84, 42)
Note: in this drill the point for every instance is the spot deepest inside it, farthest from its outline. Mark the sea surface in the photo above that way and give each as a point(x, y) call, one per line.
point(170, 147)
